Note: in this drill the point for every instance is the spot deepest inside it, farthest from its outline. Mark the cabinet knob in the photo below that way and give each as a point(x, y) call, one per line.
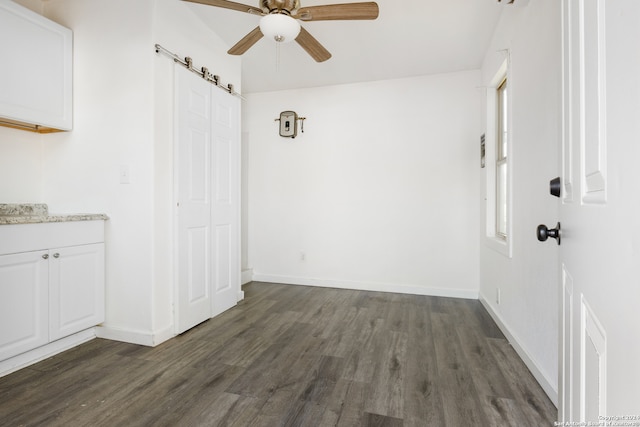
point(56, 255)
point(45, 256)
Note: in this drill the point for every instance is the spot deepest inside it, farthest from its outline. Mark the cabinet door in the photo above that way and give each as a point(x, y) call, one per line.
point(24, 313)
point(36, 73)
point(76, 289)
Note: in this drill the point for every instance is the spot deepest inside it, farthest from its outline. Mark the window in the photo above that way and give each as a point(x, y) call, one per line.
point(502, 138)
point(499, 161)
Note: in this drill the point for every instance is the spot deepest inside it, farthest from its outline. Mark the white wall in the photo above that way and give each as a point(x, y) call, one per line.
point(20, 166)
point(112, 126)
point(123, 115)
point(379, 193)
point(528, 281)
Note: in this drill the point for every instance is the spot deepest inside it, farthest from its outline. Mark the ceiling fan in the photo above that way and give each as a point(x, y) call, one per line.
point(279, 21)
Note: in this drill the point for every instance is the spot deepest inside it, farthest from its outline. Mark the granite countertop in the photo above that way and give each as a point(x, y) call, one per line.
point(33, 213)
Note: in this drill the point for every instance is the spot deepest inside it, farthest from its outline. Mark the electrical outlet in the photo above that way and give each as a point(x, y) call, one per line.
point(303, 256)
point(498, 296)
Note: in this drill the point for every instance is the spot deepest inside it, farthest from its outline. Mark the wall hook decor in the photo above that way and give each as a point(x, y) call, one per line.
point(289, 124)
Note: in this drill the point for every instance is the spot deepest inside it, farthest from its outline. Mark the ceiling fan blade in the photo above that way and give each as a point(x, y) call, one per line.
point(312, 46)
point(247, 41)
point(230, 5)
point(346, 11)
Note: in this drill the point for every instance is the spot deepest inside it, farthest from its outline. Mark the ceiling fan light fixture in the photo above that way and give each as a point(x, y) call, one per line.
point(280, 27)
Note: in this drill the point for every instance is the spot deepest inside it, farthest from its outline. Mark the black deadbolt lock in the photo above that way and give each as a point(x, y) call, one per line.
point(554, 187)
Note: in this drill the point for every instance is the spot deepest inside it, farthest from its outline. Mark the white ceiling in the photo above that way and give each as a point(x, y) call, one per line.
point(409, 38)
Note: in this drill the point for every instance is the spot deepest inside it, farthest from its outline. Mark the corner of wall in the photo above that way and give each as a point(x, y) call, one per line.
point(547, 384)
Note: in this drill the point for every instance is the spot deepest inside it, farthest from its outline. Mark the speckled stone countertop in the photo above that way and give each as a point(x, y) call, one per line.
point(33, 213)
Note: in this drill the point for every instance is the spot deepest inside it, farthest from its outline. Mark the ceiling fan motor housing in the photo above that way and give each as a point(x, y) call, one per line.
point(288, 7)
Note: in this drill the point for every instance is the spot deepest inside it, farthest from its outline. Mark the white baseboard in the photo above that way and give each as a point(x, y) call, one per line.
point(41, 353)
point(545, 383)
point(368, 286)
point(149, 339)
point(247, 276)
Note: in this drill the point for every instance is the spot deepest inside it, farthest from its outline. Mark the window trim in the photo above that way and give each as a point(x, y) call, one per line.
point(501, 244)
point(502, 158)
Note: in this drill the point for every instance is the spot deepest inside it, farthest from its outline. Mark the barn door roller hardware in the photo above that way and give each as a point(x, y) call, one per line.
point(187, 62)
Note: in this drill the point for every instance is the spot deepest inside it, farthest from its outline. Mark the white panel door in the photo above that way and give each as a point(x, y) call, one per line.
point(24, 296)
point(600, 212)
point(226, 200)
point(193, 190)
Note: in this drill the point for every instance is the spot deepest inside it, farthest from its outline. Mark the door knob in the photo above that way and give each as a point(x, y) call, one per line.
point(545, 232)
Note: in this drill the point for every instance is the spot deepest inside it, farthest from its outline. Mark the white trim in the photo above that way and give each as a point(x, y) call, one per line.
point(247, 276)
point(498, 244)
point(149, 339)
point(368, 286)
point(41, 353)
point(543, 380)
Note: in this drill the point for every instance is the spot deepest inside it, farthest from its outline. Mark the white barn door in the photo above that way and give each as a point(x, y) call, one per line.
point(207, 200)
point(225, 214)
point(599, 213)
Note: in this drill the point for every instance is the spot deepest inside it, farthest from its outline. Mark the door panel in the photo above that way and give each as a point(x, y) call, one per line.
point(599, 211)
point(593, 140)
point(198, 265)
point(570, 97)
point(193, 187)
point(566, 347)
point(223, 172)
point(593, 367)
point(208, 200)
point(226, 200)
point(76, 286)
point(24, 302)
point(223, 258)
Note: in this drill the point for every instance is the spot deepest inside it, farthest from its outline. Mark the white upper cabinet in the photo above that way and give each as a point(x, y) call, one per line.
point(36, 72)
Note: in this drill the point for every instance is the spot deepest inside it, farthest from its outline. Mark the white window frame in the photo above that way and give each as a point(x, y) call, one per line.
point(502, 158)
point(502, 243)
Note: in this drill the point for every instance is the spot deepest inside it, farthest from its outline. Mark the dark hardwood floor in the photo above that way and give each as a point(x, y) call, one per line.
point(294, 356)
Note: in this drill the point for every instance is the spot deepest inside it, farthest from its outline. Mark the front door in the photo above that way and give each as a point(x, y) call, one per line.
point(600, 212)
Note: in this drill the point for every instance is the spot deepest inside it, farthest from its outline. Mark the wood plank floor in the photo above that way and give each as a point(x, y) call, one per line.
point(294, 356)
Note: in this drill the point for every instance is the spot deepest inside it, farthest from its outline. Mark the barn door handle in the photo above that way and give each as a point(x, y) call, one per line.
point(545, 232)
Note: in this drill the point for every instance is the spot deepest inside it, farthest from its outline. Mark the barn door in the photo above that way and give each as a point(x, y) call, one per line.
point(225, 215)
point(193, 191)
point(207, 200)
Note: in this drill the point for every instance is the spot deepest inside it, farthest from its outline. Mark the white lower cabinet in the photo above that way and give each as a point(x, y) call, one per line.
point(76, 289)
point(49, 294)
point(24, 302)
